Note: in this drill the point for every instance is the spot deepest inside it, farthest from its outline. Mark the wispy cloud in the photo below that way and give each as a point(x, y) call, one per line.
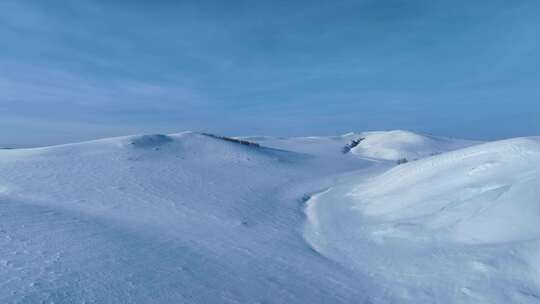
point(43, 87)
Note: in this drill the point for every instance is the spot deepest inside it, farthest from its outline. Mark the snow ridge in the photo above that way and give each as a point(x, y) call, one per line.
point(463, 225)
point(199, 218)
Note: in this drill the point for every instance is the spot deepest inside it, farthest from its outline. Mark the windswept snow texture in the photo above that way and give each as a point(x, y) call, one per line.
point(191, 218)
point(460, 227)
point(183, 218)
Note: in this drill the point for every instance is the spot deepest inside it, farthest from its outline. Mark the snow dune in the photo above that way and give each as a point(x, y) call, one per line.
point(182, 218)
point(398, 144)
point(195, 218)
point(378, 145)
point(460, 227)
point(484, 194)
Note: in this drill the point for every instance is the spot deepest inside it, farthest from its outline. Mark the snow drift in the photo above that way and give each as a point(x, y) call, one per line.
point(460, 227)
point(183, 218)
point(485, 194)
point(398, 144)
point(379, 145)
point(201, 218)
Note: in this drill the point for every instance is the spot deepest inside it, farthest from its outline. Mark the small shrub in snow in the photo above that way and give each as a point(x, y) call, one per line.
point(234, 140)
point(402, 161)
point(348, 147)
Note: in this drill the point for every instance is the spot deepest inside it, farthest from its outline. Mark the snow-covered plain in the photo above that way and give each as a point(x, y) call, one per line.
point(191, 218)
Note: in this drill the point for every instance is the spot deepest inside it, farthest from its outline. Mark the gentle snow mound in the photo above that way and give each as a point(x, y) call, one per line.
point(460, 227)
point(398, 144)
point(181, 218)
point(486, 193)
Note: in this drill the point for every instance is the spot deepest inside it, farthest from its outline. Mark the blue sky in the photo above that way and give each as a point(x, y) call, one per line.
point(77, 70)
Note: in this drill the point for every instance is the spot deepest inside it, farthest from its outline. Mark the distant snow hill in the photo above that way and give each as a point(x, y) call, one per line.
point(395, 145)
point(202, 218)
point(380, 145)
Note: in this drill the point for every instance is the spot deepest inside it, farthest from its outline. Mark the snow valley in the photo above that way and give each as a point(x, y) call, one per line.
point(201, 218)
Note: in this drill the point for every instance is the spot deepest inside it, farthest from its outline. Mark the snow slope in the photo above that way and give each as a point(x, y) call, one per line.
point(398, 144)
point(184, 218)
point(378, 145)
point(461, 227)
point(191, 218)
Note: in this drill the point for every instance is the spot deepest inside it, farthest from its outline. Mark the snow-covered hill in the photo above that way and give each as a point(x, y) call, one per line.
point(379, 145)
point(184, 218)
point(461, 227)
point(484, 194)
point(398, 144)
point(195, 218)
